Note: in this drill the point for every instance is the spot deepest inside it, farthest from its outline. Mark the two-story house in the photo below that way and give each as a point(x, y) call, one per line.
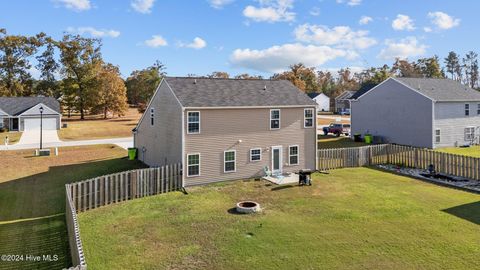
point(227, 129)
point(420, 112)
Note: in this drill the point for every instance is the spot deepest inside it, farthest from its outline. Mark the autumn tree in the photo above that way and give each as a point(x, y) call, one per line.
point(430, 67)
point(326, 82)
point(111, 96)
point(15, 51)
point(404, 68)
point(248, 76)
point(141, 84)
point(48, 66)
point(81, 58)
point(301, 76)
point(219, 75)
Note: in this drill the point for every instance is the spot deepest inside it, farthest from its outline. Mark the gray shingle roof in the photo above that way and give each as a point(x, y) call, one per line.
point(442, 89)
point(207, 92)
point(17, 105)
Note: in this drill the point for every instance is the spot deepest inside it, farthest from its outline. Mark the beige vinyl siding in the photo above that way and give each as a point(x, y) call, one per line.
point(223, 129)
point(163, 140)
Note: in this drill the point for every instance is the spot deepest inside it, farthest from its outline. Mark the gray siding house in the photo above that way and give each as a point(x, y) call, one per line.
point(23, 113)
point(227, 129)
point(420, 112)
point(342, 102)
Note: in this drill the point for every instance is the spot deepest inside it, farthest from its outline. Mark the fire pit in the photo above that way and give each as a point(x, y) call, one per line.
point(248, 207)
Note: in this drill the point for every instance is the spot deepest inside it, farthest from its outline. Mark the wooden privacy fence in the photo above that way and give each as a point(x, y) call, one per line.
point(113, 188)
point(407, 156)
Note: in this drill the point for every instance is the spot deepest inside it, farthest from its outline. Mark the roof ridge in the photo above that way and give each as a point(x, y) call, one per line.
point(232, 79)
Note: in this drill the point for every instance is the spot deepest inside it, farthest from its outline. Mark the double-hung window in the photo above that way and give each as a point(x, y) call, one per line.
point(469, 134)
point(275, 119)
point(467, 109)
point(229, 161)
point(193, 122)
point(308, 118)
point(255, 154)
point(293, 154)
point(152, 116)
point(478, 109)
point(437, 135)
point(193, 164)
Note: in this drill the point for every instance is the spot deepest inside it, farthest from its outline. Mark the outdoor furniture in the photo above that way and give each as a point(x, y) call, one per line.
point(305, 177)
point(267, 171)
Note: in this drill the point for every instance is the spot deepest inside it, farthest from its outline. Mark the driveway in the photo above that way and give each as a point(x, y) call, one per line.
point(33, 137)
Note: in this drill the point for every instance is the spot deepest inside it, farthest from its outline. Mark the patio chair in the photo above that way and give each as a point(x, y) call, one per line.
point(267, 171)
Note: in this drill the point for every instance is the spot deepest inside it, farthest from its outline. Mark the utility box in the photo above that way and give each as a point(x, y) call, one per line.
point(44, 152)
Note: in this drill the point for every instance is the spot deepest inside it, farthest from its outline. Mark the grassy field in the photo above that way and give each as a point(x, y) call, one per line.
point(13, 137)
point(349, 219)
point(331, 141)
point(32, 199)
point(473, 151)
point(95, 127)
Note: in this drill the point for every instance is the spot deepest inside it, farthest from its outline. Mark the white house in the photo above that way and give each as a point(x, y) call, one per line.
point(419, 112)
point(322, 100)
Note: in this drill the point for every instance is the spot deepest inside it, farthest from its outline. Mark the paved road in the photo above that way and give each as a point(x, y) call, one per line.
point(122, 142)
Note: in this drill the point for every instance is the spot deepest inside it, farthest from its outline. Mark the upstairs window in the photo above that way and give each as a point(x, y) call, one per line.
point(275, 119)
point(467, 109)
point(193, 122)
point(478, 109)
point(437, 135)
point(308, 118)
point(229, 158)
point(255, 154)
point(293, 155)
point(152, 116)
point(469, 134)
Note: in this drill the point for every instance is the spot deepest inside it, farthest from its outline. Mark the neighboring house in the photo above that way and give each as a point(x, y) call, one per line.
point(342, 102)
point(322, 100)
point(419, 112)
point(227, 129)
point(23, 113)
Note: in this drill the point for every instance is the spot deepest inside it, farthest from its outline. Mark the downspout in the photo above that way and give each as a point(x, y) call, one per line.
point(432, 134)
point(183, 150)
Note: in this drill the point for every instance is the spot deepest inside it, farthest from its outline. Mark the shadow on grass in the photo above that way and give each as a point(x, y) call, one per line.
point(42, 197)
point(282, 187)
point(469, 211)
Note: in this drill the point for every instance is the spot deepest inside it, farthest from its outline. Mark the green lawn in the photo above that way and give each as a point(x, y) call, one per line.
point(473, 151)
point(331, 141)
point(32, 199)
point(349, 219)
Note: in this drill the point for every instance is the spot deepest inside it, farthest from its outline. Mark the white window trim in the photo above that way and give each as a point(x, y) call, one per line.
point(467, 109)
point(199, 122)
point(152, 116)
point(305, 118)
point(472, 133)
point(199, 166)
point(478, 109)
point(279, 119)
point(439, 136)
point(260, 149)
point(298, 154)
point(234, 161)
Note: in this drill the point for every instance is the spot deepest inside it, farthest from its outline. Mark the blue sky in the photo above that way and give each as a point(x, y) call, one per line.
point(258, 36)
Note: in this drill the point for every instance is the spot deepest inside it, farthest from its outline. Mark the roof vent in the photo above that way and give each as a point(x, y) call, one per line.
point(195, 81)
point(265, 87)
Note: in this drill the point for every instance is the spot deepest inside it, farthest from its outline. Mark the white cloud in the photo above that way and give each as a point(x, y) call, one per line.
point(405, 48)
point(219, 3)
point(341, 36)
point(156, 41)
point(77, 5)
point(427, 29)
point(279, 58)
point(142, 6)
point(98, 33)
point(365, 20)
point(350, 2)
point(443, 20)
point(403, 22)
point(315, 11)
point(197, 44)
point(271, 11)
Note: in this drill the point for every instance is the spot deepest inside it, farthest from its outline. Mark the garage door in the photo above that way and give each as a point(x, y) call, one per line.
point(34, 123)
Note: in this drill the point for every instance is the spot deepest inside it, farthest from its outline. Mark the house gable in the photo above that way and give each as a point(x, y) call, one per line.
point(35, 110)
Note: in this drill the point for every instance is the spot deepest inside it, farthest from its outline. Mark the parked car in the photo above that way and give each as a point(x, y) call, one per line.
point(337, 129)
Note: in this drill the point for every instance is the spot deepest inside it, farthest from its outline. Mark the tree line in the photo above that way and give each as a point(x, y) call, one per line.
point(71, 70)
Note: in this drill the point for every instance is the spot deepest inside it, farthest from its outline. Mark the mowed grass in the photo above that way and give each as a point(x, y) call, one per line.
point(95, 127)
point(331, 141)
point(473, 151)
point(350, 219)
point(32, 199)
point(13, 137)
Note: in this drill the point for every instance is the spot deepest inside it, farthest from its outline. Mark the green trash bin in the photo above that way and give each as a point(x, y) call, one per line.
point(132, 153)
point(368, 138)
